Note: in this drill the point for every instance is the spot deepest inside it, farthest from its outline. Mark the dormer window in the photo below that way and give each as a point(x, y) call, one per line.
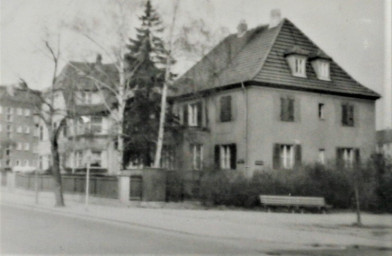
point(296, 58)
point(321, 65)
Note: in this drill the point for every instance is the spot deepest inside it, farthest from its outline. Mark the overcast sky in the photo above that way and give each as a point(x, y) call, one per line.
point(352, 32)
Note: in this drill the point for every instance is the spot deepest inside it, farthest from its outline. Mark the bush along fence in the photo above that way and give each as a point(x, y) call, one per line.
point(335, 184)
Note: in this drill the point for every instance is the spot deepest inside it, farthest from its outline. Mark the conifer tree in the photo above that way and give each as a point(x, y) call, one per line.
point(142, 111)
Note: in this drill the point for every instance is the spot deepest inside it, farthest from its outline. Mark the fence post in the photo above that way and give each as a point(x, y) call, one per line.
point(36, 185)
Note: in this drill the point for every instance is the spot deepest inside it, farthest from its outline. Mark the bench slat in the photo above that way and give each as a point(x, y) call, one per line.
point(292, 201)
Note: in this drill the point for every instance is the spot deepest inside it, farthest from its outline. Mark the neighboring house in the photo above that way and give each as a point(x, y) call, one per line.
point(18, 135)
point(89, 129)
point(384, 142)
point(270, 98)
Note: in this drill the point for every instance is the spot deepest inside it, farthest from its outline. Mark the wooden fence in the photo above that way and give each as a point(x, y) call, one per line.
point(100, 186)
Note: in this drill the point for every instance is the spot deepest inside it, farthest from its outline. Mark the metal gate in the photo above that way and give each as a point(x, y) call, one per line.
point(136, 188)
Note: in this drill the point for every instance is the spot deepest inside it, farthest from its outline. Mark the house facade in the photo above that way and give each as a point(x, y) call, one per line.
point(88, 134)
point(270, 98)
point(18, 133)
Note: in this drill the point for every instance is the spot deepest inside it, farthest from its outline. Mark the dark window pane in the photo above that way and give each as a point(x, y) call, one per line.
point(225, 109)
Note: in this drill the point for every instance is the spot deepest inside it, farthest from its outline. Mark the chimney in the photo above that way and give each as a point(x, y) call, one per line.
point(241, 28)
point(274, 18)
point(98, 59)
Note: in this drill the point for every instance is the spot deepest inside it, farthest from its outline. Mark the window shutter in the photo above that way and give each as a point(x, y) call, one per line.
point(344, 114)
point(290, 109)
point(217, 157)
point(339, 156)
point(351, 115)
point(276, 156)
point(222, 109)
point(199, 114)
point(206, 114)
point(282, 109)
point(225, 109)
point(357, 156)
point(185, 116)
point(298, 155)
point(228, 106)
point(233, 156)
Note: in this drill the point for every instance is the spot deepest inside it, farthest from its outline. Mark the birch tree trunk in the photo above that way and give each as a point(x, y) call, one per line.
point(162, 117)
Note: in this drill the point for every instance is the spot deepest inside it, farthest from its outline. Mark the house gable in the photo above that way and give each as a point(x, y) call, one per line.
point(276, 69)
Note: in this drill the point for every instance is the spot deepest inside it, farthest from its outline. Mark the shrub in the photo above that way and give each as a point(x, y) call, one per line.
point(335, 184)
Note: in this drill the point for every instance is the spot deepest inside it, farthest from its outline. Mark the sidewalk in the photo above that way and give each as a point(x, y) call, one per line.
point(272, 230)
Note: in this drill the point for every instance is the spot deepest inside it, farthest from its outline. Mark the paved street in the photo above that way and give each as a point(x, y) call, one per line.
point(36, 232)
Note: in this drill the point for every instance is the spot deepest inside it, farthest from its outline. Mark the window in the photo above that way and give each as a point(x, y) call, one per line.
point(85, 97)
point(197, 156)
point(347, 115)
point(297, 64)
point(96, 124)
point(225, 109)
point(347, 157)
point(321, 156)
point(26, 146)
point(299, 67)
point(286, 156)
point(8, 151)
point(27, 129)
point(9, 131)
point(9, 114)
point(321, 111)
point(322, 68)
point(27, 112)
point(19, 129)
point(226, 156)
point(95, 159)
point(192, 114)
point(19, 111)
point(17, 162)
point(19, 146)
point(287, 109)
point(8, 162)
point(24, 162)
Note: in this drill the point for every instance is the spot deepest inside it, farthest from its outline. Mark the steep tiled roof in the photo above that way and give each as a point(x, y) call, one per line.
point(258, 56)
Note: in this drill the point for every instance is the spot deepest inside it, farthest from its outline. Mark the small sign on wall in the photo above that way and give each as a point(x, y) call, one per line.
point(259, 162)
point(240, 161)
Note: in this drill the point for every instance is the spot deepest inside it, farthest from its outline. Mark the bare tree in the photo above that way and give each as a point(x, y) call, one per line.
point(53, 117)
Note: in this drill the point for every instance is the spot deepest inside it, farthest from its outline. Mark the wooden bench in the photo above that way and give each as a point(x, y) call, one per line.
point(294, 203)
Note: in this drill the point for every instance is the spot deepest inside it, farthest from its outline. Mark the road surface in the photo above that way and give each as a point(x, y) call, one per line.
point(31, 231)
point(35, 232)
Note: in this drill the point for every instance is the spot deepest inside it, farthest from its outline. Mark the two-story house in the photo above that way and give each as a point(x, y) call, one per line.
point(270, 98)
